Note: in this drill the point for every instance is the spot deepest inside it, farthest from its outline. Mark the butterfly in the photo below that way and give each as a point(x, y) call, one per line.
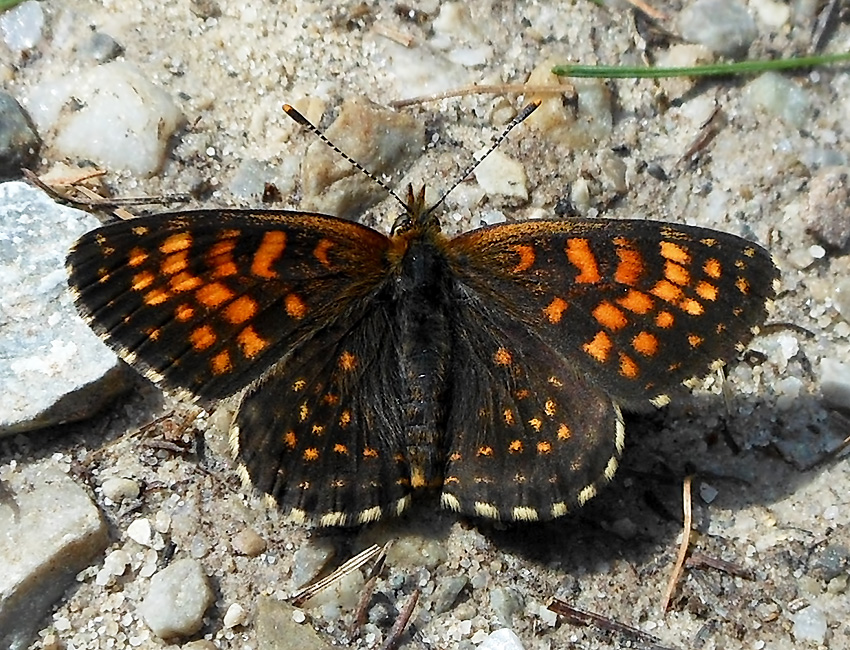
point(491, 366)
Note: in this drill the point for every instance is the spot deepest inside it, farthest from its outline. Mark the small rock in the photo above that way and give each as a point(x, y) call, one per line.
point(723, 26)
point(248, 542)
point(382, 141)
point(200, 644)
point(835, 383)
point(500, 174)
point(780, 97)
point(828, 212)
point(810, 625)
point(310, 559)
point(19, 143)
point(102, 47)
point(124, 120)
point(119, 489)
point(51, 531)
point(177, 599)
point(503, 639)
point(829, 562)
point(506, 603)
point(276, 628)
point(447, 592)
point(235, 615)
point(22, 27)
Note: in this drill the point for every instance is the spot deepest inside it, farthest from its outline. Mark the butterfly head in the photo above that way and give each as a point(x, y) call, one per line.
point(416, 215)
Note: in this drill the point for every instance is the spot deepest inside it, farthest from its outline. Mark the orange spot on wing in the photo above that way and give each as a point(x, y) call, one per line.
point(345, 419)
point(664, 320)
point(220, 258)
point(610, 316)
point(175, 263)
point(544, 447)
point(636, 302)
point(555, 310)
point(692, 307)
point(564, 432)
point(347, 361)
point(202, 337)
point(646, 344)
point(630, 267)
point(502, 357)
point(508, 414)
point(677, 274)
point(311, 454)
point(484, 451)
point(526, 258)
point(667, 291)
point(176, 243)
point(321, 252)
point(707, 291)
point(599, 347)
point(156, 297)
point(515, 446)
point(295, 307)
point(289, 439)
point(695, 340)
point(250, 342)
point(184, 312)
point(340, 448)
point(581, 257)
point(243, 309)
point(137, 257)
point(712, 268)
point(675, 252)
point(369, 452)
point(213, 294)
point(743, 286)
point(142, 281)
point(628, 368)
point(268, 252)
point(184, 281)
point(221, 363)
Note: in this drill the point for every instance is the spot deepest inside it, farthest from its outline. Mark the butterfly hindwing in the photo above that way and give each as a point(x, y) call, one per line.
point(528, 439)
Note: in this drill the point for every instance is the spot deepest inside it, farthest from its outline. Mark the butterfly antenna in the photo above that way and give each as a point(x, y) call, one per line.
point(303, 121)
point(527, 110)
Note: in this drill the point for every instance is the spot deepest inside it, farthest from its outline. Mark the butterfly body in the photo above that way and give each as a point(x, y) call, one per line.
point(490, 366)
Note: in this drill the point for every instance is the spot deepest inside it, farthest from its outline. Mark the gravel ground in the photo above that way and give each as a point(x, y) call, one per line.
point(764, 158)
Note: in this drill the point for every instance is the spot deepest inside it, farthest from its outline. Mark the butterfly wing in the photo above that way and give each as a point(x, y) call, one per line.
point(556, 323)
point(529, 438)
point(204, 302)
point(636, 307)
point(329, 448)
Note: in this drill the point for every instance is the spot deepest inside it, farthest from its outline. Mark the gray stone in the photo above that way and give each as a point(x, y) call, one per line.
point(177, 599)
point(54, 368)
point(277, 630)
point(447, 592)
point(723, 26)
point(51, 531)
point(19, 143)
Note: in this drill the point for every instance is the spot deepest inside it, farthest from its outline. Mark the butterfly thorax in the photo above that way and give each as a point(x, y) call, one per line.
point(421, 290)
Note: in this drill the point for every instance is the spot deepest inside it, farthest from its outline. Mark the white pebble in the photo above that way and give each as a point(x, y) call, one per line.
point(235, 615)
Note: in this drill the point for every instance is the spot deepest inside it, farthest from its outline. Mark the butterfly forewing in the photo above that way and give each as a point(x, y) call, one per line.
point(205, 301)
point(639, 306)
